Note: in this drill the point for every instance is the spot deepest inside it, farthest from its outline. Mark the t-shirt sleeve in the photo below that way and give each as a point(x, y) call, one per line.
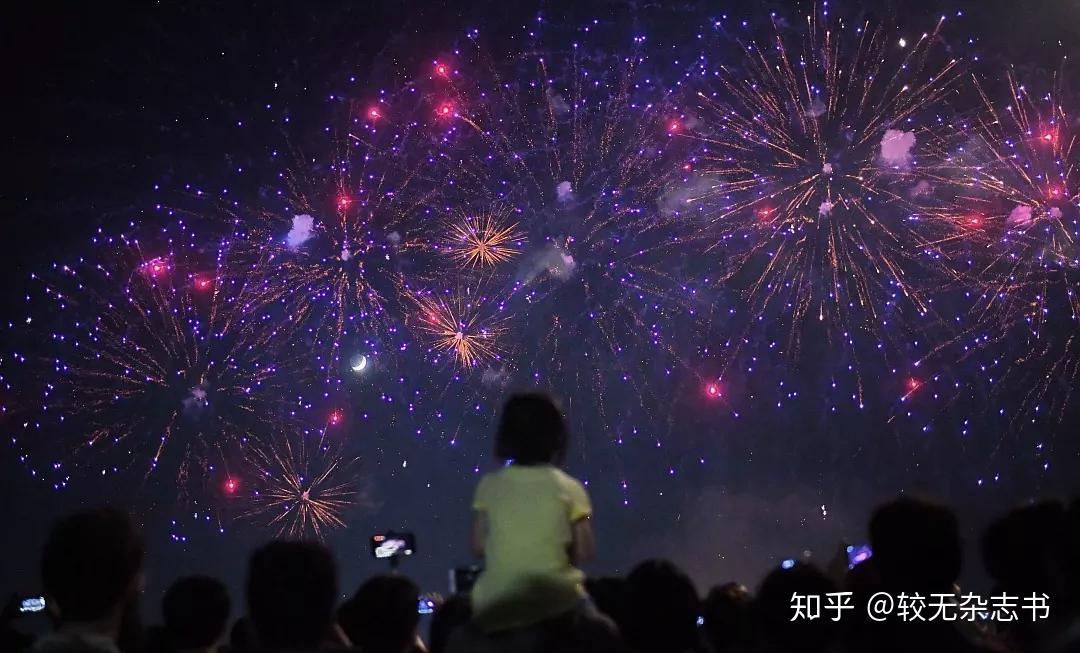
point(482, 494)
point(580, 505)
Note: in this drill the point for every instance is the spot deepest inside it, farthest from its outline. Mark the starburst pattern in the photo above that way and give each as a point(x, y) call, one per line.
point(483, 240)
point(156, 360)
point(814, 149)
point(1015, 187)
point(333, 248)
point(302, 484)
point(462, 326)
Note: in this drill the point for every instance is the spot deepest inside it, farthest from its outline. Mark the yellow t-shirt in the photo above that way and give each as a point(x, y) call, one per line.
point(527, 575)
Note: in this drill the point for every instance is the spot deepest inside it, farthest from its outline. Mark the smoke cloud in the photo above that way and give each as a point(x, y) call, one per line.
point(1020, 215)
point(195, 403)
point(921, 189)
point(896, 146)
point(551, 260)
point(556, 103)
point(495, 377)
point(564, 191)
point(681, 198)
point(300, 232)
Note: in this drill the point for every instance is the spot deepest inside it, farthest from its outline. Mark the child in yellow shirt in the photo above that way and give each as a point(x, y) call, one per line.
point(530, 522)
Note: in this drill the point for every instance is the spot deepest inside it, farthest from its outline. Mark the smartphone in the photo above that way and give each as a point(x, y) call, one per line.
point(389, 545)
point(425, 605)
point(31, 604)
point(858, 553)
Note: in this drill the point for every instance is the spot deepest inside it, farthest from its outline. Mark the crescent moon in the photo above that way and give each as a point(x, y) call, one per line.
point(360, 364)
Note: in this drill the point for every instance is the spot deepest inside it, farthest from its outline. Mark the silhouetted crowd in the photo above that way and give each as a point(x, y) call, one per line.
point(92, 568)
point(531, 527)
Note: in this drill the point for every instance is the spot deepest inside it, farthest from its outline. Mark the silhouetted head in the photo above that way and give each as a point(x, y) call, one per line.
point(664, 607)
point(382, 616)
point(532, 431)
point(1026, 551)
point(1072, 530)
point(454, 612)
point(611, 595)
point(91, 564)
point(727, 617)
point(196, 611)
point(241, 636)
point(291, 590)
point(916, 545)
point(772, 611)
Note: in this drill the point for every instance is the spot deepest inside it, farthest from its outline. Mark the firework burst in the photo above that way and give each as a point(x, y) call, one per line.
point(461, 326)
point(482, 241)
point(813, 153)
point(157, 361)
point(302, 484)
point(1023, 192)
point(577, 151)
point(338, 255)
point(1016, 187)
point(588, 219)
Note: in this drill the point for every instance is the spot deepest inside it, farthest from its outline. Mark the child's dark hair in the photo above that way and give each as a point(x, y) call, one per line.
point(532, 430)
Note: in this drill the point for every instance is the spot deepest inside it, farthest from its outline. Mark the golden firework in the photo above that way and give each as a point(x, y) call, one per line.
point(461, 326)
point(483, 240)
point(302, 486)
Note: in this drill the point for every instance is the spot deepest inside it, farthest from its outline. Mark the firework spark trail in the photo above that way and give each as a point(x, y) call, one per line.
point(812, 147)
point(302, 484)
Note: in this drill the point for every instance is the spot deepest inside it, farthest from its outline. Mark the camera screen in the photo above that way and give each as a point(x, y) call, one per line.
point(392, 544)
point(32, 604)
point(857, 554)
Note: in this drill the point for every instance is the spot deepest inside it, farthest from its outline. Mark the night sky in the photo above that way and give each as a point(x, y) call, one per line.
point(700, 438)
